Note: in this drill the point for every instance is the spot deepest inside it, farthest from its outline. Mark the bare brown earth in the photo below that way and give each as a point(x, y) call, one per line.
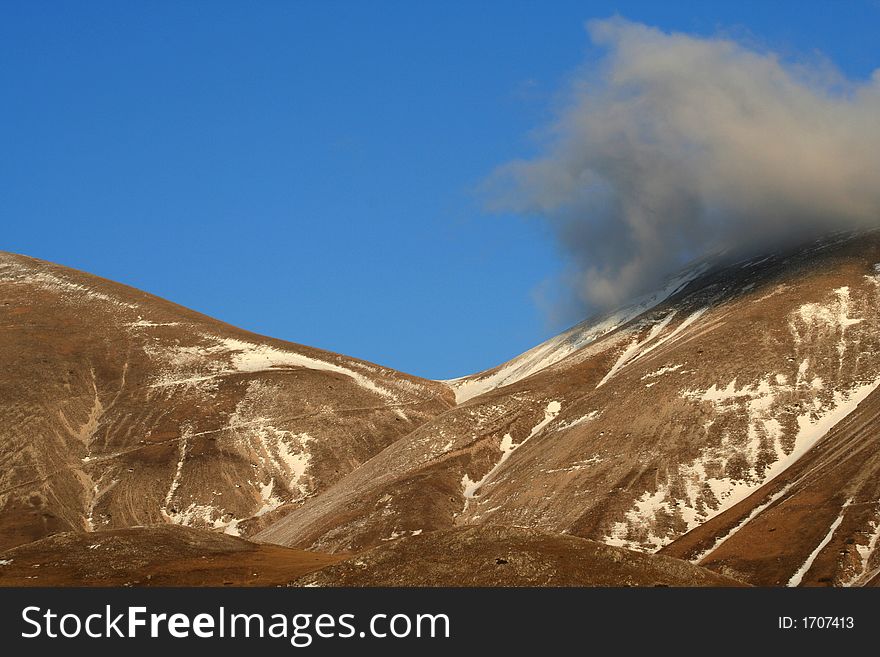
point(506, 556)
point(164, 555)
point(118, 408)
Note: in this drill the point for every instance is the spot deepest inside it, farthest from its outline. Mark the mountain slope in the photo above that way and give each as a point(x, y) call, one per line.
point(817, 524)
point(118, 409)
point(652, 429)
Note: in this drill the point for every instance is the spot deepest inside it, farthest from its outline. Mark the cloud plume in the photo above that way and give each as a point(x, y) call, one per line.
point(674, 145)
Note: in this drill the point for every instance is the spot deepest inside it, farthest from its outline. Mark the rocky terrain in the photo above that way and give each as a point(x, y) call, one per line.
point(118, 409)
point(727, 420)
point(697, 415)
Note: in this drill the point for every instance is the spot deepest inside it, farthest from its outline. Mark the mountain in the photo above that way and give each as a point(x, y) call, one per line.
point(118, 409)
point(735, 413)
point(726, 424)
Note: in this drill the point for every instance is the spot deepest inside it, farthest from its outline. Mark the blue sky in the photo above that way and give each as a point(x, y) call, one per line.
point(307, 170)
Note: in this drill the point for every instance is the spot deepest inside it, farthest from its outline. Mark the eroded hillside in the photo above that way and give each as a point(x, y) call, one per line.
point(119, 409)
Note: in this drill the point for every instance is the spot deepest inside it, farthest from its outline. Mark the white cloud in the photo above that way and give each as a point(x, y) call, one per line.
point(674, 145)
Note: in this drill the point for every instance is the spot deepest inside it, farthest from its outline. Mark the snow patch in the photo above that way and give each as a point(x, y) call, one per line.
point(568, 424)
point(832, 317)
point(752, 515)
point(283, 453)
point(663, 370)
point(577, 465)
point(798, 576)
point(143, 323)
point(470, 487)
point(632, 350)
point(270, 501)
point(175, 481)
point(250, 357)
point(69, 290)
point(865, 552)
point(554, 350)
point(247, 357)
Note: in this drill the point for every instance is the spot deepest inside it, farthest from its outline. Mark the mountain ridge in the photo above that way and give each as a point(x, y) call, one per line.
point(698, 423)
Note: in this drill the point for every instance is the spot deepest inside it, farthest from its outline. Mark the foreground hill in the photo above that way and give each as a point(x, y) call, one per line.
point(170, 555)
point(506, 556)
point(698, 414)
point(161, 555)
point(118, 408)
